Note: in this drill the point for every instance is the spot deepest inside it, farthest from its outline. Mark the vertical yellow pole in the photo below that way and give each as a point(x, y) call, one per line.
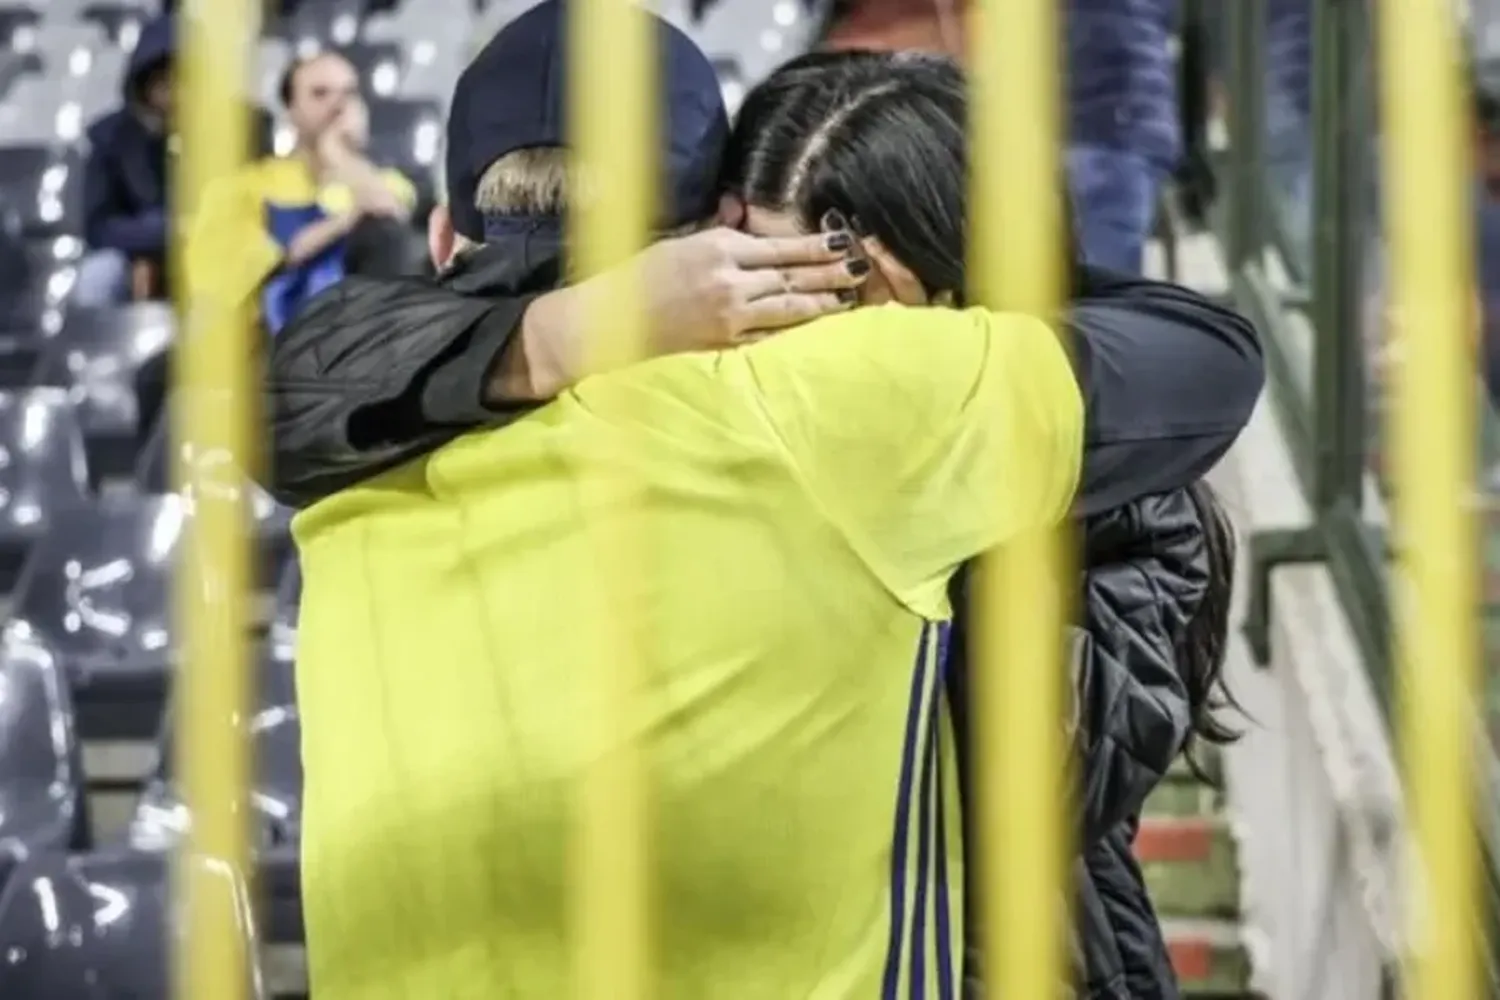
point(613, 107)
point(1433, 429)
point(1016, 264)
point(210, 407)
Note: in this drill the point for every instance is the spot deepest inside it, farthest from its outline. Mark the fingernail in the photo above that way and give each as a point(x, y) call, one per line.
point(858, 227)
point(847, 296)
point(833, 221)
point(839, 241)
point(858, 267)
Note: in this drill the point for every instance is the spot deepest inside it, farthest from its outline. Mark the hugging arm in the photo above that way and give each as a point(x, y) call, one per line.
point(1169, 378)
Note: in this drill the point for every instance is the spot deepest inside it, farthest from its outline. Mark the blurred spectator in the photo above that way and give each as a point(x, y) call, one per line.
point(125, 180)
point(287, 227)
point(1288, 122)
point(1124, 132)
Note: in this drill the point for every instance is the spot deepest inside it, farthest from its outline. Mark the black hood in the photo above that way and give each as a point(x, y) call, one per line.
point(157, 45)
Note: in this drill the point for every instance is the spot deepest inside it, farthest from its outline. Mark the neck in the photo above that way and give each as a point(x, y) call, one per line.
point(308, 153)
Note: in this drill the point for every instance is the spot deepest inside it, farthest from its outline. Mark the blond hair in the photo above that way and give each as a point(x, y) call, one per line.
point(525, 182)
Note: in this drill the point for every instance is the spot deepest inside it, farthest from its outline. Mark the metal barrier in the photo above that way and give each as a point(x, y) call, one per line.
point(1310, 293)
point(1015, 263)
point(212, 409)
point(614, 110)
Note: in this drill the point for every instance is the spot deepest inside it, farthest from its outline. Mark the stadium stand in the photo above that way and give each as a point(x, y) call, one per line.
point(116, 908)
point(89, 525)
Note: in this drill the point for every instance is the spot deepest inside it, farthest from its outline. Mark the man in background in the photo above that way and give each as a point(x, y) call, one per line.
point(125, 181)
point(286, 227)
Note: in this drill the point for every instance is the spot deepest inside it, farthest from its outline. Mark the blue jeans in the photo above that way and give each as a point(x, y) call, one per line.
point(103, 279)
point(1114, 200)
point(1289, 167)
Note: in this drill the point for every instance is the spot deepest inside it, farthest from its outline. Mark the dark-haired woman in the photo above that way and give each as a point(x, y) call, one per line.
point(879, 140)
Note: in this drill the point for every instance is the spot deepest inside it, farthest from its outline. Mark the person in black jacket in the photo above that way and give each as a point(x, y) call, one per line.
point(1157, 568)
point(125, 177)
point(1169, 379)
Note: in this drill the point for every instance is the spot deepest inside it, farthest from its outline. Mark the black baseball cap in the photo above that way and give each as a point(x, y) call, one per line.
point(512, 96)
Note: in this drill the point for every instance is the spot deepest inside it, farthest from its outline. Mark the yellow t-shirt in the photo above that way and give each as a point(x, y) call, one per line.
point(806, 500)
point(233, 245)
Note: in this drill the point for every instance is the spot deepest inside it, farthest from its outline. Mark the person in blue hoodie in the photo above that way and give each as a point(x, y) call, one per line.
point(125, 178)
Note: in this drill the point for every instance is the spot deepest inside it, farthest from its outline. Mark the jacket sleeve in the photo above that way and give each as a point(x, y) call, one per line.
point(1132, 714)
point(1170, 378)
point(346, 379)
point(106, 224)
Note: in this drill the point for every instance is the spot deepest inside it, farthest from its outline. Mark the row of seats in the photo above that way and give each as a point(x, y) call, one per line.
point(92, 926)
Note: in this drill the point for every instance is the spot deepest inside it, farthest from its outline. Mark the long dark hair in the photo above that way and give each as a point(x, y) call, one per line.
point(1205, 641)
point(880, 136)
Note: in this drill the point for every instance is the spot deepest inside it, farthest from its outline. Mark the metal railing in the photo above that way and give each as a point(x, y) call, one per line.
point(1325, 417)
point(1310, 280)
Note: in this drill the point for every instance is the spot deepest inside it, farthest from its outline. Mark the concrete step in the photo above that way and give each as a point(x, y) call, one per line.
point(1209, 957)
point(1189, 865)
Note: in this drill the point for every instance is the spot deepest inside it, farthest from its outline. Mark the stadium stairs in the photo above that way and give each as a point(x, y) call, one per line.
point(1189, 858)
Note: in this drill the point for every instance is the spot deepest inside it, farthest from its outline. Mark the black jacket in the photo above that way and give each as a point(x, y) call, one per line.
point(1145, 575)
point(373, 374)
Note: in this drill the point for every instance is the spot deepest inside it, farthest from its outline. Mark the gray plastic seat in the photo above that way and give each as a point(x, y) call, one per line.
point(39, 278)
point(95, 357)
point(275, 733)
point(42, 184)
point(41, 780)
point(43, 469)
point(283, 637)
point(407, 136)
point(271, 524)
point(95, 592)
point(102, 926)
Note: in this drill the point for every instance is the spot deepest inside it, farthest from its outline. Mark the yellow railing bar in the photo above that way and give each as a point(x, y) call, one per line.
point(1432, 429)
point(1016, 264)
point(613, 107)
point(210, 408)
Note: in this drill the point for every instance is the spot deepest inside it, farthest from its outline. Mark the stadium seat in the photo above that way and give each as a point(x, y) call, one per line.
point(120, 23)
point(276, 793)
point(407, 135)
point(42, 469)
point(94, 592)
point(272, 523)
point(14, 66)
point(100, 926)
point(42, 803)
point(319, 24)
point(43, 184)
point(379, 64)
point(283, 635)
point(16, 21)
point(96, 357)
point(39, 278)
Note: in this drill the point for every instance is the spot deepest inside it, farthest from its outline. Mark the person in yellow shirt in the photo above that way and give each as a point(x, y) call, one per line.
point(804, 503)
point(286, 227)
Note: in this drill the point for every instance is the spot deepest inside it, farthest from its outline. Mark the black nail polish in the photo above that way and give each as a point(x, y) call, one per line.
point(858, 227)
point(858, 267)
point(847, 296)
point(839, 241)
point(833, 221)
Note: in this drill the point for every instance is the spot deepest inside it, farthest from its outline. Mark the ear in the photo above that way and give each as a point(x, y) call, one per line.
point(899, 282)
point(440, 236)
